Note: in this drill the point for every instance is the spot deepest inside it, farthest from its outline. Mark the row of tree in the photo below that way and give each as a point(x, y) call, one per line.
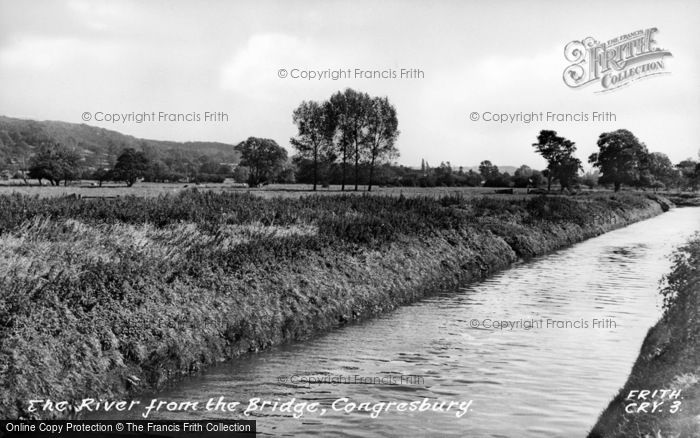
point(621, 159)
point(56, 163)
point(350, 127)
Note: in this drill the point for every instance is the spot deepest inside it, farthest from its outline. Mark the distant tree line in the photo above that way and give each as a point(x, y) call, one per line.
point(351, 139)
point(445, 174)
point(621, 160)
point(56, 163)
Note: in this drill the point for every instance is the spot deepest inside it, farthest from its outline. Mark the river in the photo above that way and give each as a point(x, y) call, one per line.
point(579, 317)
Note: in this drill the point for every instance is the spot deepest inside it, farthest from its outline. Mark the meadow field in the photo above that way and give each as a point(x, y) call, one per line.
point(90, 190)
point(87, 189)
point(101, 297)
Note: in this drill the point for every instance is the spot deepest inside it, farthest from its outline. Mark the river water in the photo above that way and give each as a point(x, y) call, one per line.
point(579, 314)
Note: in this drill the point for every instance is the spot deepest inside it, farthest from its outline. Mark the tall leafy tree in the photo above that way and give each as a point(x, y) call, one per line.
point(382, 132)
point(316, 126)
point(689, 174)
point(263, 157)
point(566, 171)
point(350, 109)
point(101, 175)
point(488, 170)
point(621, 158)
point(525, 176)
point(661, 170)
point(54, 162)
point(130, 166)
point(559, 153)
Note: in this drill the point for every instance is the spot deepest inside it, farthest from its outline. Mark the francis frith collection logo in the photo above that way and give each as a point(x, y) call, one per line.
point(614, 63)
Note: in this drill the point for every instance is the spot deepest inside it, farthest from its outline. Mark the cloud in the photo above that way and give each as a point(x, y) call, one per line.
point(253, 69)
point(101, 15)
point(41, 53)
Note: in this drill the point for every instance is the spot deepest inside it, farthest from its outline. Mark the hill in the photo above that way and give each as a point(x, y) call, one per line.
point(99, 147)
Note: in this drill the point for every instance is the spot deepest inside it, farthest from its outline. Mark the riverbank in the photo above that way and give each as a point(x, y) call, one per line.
point(109, 298)
point(669, 359)
point(691, 199)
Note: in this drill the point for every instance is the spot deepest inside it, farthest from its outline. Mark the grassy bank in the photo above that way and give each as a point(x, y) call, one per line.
point(104, 298)
point(669, 359)
point(687, 199)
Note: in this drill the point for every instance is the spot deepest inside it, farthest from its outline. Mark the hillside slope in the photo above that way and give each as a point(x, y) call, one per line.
point(19, 138)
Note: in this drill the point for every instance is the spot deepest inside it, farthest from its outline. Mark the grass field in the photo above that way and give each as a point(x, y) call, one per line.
point(85, 189)
point(89, 189)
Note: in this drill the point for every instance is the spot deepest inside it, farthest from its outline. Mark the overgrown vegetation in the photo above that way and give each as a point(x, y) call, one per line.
point(107, 296)
point(669, 359)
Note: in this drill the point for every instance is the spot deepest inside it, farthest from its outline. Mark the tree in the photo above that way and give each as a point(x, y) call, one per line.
point(241, 174)
point(382, 132)
point(101, 175)
point(488, 170)
point(264, 158)
point(55, 163)
point(536, 178)
point(621, 158)
point(159, 172)
point(566, 170)
point(130, 166)
point(521, 177)
point(661, 171)
point(315, 124)
point(559, 153)
point(524, 176)
point(286, 174)
point(472, 179)
point(690, 174)
point(444, 175)
point(590, 179)
point(349, 110)
point(523, 171)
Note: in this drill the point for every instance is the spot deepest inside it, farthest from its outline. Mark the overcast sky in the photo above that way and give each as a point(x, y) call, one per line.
point(59, 59)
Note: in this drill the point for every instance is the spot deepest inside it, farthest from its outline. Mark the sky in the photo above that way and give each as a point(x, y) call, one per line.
point(60, 59)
